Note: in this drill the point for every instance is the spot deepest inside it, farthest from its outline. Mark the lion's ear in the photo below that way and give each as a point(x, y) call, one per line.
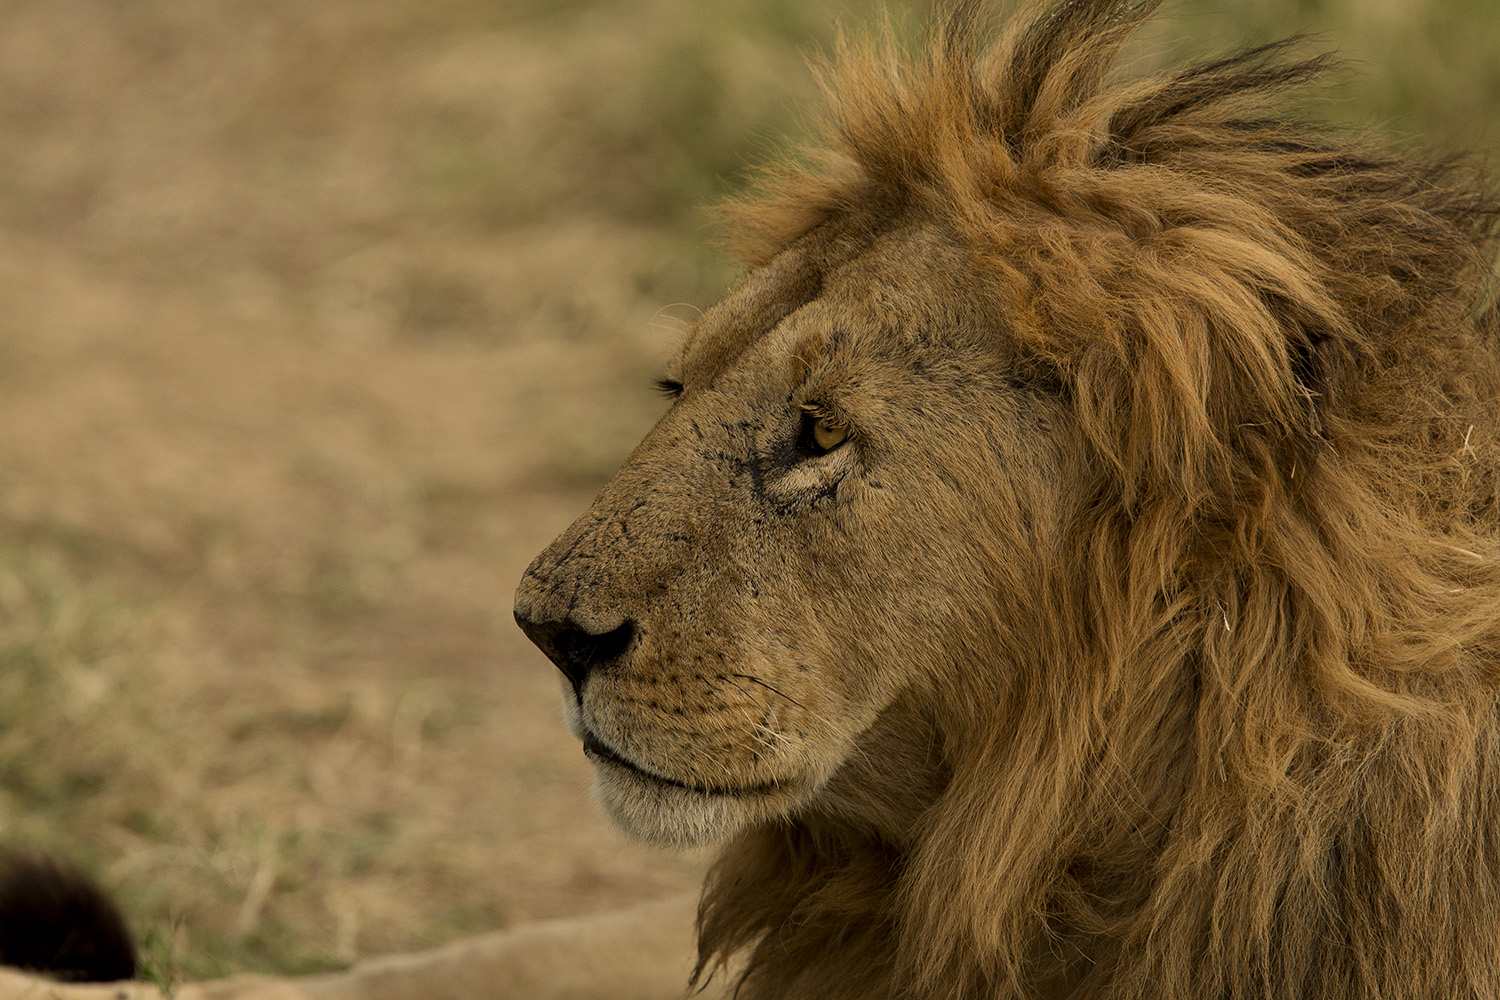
point(1317, 355)
point(1309, 356)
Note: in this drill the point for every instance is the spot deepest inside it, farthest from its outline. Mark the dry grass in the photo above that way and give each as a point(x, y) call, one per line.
point(318, 321)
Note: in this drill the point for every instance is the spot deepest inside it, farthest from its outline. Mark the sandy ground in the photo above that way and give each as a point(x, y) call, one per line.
point(291, 389)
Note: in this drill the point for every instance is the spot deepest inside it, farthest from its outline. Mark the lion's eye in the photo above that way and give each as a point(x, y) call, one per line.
point(821, 434)
point(828, 436)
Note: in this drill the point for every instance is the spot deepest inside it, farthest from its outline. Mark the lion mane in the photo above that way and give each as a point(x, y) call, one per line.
point(1248, 745)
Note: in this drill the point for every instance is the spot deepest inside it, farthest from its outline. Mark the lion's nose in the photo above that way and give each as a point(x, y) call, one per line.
point(576, 651)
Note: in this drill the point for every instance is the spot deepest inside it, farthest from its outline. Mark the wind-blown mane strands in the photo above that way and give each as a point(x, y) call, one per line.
point(1248, 744)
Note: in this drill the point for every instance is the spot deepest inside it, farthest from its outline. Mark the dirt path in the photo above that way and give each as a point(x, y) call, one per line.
point(288, 400)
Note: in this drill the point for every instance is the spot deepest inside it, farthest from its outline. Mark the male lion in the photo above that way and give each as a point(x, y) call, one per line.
point(1070, 565)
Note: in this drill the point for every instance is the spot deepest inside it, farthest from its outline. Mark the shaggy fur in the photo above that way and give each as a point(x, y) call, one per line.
point(1143, 637)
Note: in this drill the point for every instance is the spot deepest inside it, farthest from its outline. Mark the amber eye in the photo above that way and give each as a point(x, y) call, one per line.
point(828, 435)
point(821, 434)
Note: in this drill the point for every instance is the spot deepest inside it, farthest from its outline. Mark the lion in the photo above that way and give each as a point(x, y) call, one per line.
point(1070, 563)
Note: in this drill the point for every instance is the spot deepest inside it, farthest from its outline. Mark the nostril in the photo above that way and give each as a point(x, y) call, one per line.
point(606, 647)
point(576, 651)
point(581, 652)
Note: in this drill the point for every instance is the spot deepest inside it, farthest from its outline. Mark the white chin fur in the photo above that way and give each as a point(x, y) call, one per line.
point(673, 817)
point(572, 715)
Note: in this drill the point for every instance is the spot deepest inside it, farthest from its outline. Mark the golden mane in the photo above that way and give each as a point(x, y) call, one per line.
point(1251, 746)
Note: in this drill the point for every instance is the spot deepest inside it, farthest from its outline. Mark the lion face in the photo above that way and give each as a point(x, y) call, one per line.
point(806, 541)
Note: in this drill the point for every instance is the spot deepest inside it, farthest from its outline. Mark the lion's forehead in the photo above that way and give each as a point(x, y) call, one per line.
point(899, 301)
point(757, 304)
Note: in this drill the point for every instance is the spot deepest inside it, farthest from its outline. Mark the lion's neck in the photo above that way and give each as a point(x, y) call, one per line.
point(831, 904)
point(811, 902)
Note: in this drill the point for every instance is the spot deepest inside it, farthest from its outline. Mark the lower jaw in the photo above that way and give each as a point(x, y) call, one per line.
point(666, 815)
point(603, 756)
point(669, 815)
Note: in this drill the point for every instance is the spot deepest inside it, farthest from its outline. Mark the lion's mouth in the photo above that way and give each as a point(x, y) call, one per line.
point(595, 749)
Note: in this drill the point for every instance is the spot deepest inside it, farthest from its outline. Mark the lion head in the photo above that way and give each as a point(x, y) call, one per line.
point(786, 554)
point(1070, 563)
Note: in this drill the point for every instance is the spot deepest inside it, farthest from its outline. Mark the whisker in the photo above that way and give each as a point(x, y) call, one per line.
point(772, 688)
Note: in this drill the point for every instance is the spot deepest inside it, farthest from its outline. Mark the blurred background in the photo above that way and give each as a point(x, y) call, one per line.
point(317, 321)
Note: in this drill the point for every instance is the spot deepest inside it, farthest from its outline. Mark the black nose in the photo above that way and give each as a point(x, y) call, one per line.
point(576, 651)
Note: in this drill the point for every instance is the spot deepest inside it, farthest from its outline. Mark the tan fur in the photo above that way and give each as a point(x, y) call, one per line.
point(1143, 637)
